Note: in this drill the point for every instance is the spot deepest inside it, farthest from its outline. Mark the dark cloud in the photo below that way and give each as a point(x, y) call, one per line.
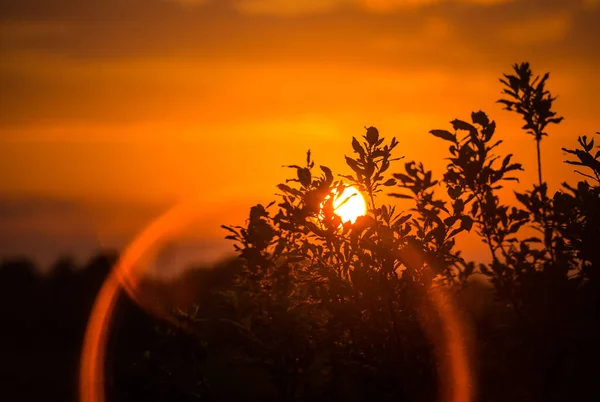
point(18, 207)
point(21, 216)
point(46, 228)
point(60, 56)
point(76, 10)
point(159, 28)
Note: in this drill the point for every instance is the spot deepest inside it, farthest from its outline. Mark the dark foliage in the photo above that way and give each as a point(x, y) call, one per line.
point(529, 98)
point(317, 309)
point(331, 310)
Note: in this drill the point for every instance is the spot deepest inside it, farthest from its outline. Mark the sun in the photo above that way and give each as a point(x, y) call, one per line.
point(349, 205)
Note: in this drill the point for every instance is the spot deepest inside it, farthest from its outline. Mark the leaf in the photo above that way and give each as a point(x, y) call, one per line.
point(348, 177)
point(390, 182)
point(304, 176)
point(229, 229)
point(458, 206)
point(450, 220)
point(506, 160)
point(357, 147)
point(328, 174)
point(480, 118)
point(403, 219)
point(384, 166)
point(404, 196)
point(403, 178)
point(462, 125)
point(523, 199)
point(256, 212)
point(287, 189)
point(455, 232)
point(454, 192)
point(488, 131)
point(443, 134)
point(372, 135)
point(466, 223)
point(353, 165)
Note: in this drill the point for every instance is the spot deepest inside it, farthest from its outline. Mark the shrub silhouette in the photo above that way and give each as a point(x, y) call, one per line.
point(321, 310)
point(532, 101)
point(326, 310)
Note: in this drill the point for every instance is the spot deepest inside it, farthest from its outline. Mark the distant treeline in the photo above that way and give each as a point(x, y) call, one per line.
point(44, 318)
point(43, 322)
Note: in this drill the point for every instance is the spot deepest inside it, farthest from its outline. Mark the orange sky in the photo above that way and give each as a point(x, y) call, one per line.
point(111, 111)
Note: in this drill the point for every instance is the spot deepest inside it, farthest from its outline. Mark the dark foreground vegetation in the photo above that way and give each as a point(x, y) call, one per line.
point(317, 310)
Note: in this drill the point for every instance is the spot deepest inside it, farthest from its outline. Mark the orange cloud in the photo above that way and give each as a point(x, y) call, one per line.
point(12, 31)
point(290, 7)
point(535, 31)
point(303, 7)
point(391, 5)
point(188, 2)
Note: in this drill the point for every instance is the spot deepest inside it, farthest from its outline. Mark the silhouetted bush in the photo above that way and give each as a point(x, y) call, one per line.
point(325, 310)
point(317, 309)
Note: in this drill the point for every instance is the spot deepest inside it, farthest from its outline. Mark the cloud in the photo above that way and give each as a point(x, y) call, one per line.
point(19, 207)
point(392, 5)
point(194, 66)
point(486, 2)
point(395, 5)
point(534, 31)
point(44, 228)
point(27, 30)
point(188, 3)
point(290, 7)
point(304, 7)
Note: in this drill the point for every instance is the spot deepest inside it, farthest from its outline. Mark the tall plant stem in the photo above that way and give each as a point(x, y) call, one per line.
point(539, 161)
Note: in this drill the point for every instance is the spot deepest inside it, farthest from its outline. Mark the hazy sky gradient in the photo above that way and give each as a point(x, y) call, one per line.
point(131, 105)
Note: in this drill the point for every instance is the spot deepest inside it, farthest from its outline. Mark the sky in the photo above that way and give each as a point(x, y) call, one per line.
point(113, 111)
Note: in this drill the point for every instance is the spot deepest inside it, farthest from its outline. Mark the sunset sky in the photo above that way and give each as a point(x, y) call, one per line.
point(112, 111)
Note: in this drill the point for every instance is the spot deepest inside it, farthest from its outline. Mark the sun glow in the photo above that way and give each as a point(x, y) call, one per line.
point(349, 205)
